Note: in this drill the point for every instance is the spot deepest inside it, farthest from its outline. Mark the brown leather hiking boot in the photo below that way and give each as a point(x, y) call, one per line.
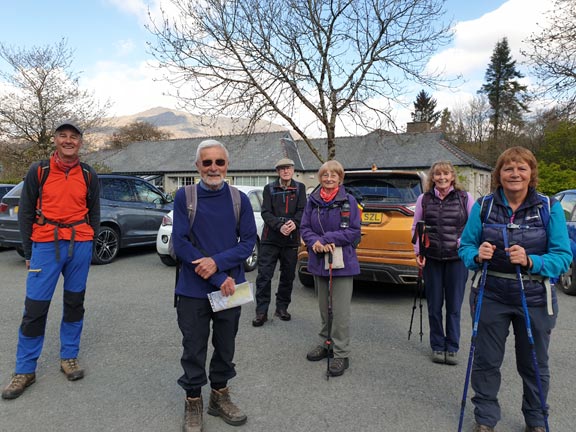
point(17, 385)
point(535, 429)
point(71, 369)
point(338, 366)
point(221, 405)
point(193, 414)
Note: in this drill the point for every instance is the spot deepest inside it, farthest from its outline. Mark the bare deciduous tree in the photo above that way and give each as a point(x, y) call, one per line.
point(41, 90)
point(138, 131)
point(553, 53)
point(332, 62)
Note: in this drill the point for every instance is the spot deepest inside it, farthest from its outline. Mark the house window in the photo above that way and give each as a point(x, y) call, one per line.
point(184, 181)
point(251, 180)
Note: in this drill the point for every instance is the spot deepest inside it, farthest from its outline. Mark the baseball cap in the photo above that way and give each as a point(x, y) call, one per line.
point(71, 124)
point(284, 162)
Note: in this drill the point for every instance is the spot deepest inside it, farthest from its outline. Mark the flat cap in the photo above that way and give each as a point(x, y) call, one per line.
point(284, 162)
point(69, 123)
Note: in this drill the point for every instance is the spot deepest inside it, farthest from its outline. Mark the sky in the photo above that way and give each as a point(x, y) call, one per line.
point(109, 40)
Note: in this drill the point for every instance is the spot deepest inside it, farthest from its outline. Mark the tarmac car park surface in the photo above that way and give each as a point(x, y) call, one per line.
point(131, 350)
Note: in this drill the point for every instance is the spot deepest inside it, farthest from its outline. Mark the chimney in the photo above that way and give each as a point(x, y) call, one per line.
point(418, 127)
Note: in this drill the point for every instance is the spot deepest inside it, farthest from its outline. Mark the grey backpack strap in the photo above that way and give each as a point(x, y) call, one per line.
point(237, 203)
point(191, 202)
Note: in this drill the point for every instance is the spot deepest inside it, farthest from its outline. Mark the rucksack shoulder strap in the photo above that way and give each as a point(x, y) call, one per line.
point(486, 206)
point(545, 209)
point(236, 202)
point(191, 201)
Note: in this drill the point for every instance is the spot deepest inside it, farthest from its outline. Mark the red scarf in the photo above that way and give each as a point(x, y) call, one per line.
point(328, 196)
point(63, 165)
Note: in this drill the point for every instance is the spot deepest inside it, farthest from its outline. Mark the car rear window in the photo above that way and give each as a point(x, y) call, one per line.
point(388, 190)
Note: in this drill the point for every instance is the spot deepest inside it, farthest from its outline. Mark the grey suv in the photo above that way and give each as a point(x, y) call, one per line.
point(131, 212)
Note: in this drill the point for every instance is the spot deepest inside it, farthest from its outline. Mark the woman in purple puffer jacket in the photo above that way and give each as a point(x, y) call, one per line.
point(328, 227)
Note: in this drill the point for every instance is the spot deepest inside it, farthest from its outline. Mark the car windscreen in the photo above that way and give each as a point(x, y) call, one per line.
point(389, 190)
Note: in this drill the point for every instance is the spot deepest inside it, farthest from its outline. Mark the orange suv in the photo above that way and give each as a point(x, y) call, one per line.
point(385, 253)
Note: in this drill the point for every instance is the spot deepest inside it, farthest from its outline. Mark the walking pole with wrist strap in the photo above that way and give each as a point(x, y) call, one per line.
point(529, 332)
point(473, 341)
point(330, 345)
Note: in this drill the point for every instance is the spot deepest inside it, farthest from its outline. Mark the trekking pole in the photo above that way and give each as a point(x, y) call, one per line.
point(420, 281)
point(330, 346)
point(532, 347)
point(416, 295)
point(473, 341)
point(530, 336)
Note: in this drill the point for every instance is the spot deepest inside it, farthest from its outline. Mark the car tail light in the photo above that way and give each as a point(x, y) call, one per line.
point(3, 207)
point(166, 220)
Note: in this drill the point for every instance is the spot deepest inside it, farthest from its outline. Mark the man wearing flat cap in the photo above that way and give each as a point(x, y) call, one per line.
point(59, 216)
point(282, 208)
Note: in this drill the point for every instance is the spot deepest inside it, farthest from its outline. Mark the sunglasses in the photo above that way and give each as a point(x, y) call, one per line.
point(208, 162)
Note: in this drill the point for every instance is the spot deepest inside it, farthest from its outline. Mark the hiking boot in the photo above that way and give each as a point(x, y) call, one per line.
point(283, 314)
point(17, 385)
point(318, 353)
point(338, 366)
point(535, 429)
point(451, 358)
point(483, 428)
point(193, 414)
point(438, 356)
point(260, 319)
point(71, 369)
point(221, 406)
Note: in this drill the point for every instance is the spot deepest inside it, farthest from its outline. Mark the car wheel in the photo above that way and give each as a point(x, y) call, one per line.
point(567, 282)
point(107, 246)
point(167, 260)
point(20, 251)
point(252, 261)
point(305, 279)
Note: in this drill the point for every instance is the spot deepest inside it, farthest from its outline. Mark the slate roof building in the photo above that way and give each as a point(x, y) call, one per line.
point(252, 158)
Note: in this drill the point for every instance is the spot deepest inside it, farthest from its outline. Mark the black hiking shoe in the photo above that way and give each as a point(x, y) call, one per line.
point(260, 319)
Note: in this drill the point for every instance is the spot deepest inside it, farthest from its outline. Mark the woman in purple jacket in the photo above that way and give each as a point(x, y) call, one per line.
point(331, 226)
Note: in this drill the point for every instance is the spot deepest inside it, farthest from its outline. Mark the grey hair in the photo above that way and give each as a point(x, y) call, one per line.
point(210, 143)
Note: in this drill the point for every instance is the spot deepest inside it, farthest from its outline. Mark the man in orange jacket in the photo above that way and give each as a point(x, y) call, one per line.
point(59, 216)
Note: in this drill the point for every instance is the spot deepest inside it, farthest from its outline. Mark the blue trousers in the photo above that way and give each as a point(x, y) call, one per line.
point(445, 282)
point(40, 286)
point(493, 330)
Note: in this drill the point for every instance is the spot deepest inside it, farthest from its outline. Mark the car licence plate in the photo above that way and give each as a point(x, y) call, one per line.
point(371, 218)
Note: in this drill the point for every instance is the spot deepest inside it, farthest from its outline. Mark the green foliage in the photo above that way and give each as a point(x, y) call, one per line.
point(425, 109)
point(560, 145)
point(553, 178)
point(507, 97)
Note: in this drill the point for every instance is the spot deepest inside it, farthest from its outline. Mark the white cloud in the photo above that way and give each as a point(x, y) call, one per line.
point(138, 8)
point(124, 47)
point(131, 89)
point(474, 42)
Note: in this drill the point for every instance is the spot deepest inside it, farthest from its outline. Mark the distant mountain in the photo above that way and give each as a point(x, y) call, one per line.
point(179, 123)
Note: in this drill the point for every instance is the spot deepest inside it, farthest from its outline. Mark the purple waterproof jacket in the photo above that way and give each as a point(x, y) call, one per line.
point(321, 221)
